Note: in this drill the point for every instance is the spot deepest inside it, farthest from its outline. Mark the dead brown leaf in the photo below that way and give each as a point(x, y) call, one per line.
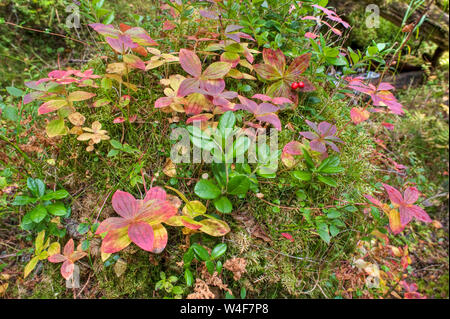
point(252, 226)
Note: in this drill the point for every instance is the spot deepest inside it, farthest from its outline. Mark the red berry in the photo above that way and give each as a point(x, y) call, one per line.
point(294, 85)
point(301, 85)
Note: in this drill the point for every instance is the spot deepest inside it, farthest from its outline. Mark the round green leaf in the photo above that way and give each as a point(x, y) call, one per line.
point(238, 185)
point(38, 213)
point(206, 189)
point(22, 200)
point(223, 205)
point(57, 209)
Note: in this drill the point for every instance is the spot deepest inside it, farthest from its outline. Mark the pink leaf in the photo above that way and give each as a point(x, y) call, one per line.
point(310, 35)
point(168, 25)
point(190, 62)
point(141, 234)
point(359, 115)
point(411, 195)
point(57, 258)
point(67, 269)
point(69, 248)
point(394, 195)
point(155, 193)
point(272, 119)
point(124, 204)
point(389, 126)
point(111, 223)
point(119, 119)
point(288, 236)
point(188, 86)
point(293, 148)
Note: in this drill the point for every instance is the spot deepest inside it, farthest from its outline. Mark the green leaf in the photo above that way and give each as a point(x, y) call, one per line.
point(188, 257)
point(218, 250)
point(327, 180)
point(332, 170)
point(83, 228)
point(334, 214)
point(57, 209)
point(226, 121)
point(302, 175)
point(210, 266)
point(172, 279)
point(243, 293)
point(36, 186)
point(206, 189)
point(219, 171)
point(23, 200)
point(14, 91)
point(240, 146)
point(26, 223)
point(334, 230)
point(330, 52)
point(219, 266)
point(109, 18)
point(323, 232)
point(223, 205)
point(177, 290)
point(115, 144)
point(10, 113)
point(85, 244)
point(38, 213)
point(308, 160)
point(201, 252)
point(113, 152)
point(188, 277)
point(59, 194)
point(338, 223)
point(56, 127)
point(238, 185)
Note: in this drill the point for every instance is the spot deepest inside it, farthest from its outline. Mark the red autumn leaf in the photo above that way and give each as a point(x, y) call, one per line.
point(405, 202)
point(264, 112)
point(288, 236)
point(140, 222)
point(274, 69)
point(208, 80)
point(359, 115)
point(68, 258)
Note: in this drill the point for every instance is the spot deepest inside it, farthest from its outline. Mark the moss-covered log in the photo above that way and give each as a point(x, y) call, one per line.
point(435, 28)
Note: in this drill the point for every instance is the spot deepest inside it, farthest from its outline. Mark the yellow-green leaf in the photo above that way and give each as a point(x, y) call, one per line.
point(54, 248)
point(30, 266)
point(56, 128)
point(80, 96)
point(39, 242)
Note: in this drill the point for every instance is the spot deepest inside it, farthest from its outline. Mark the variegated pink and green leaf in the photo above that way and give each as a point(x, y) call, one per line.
point(274, 69)
point(68, 258)
point(140, 221)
